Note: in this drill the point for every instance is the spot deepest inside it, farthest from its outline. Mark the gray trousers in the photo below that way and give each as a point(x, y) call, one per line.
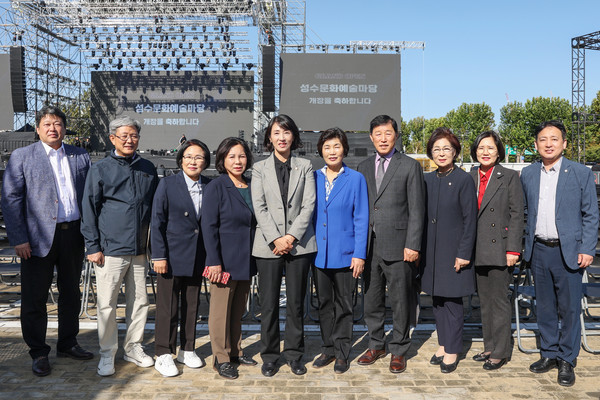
point(496, 312)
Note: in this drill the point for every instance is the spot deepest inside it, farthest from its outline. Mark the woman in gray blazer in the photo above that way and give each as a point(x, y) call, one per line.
point(498, 245)
point(283, 196)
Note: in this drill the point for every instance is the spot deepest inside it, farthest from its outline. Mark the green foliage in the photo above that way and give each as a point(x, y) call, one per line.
point(468, 121)
point(417, 131)
point(518, 121)
point(78, 115)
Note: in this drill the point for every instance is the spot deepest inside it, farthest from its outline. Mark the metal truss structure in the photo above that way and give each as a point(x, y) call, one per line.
point(64, 40)
point(580, 116)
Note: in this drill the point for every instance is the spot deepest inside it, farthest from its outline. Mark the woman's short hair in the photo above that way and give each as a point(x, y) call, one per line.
point(333, 133)
point(286, 123)
point(497, 142)
point(189, 143)
point(443, 133)
point(124, 120)
point(226, 145)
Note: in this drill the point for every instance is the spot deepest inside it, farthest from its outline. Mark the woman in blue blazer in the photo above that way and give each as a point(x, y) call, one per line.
point(341, 227)
point(178, 257)
point(228, 226)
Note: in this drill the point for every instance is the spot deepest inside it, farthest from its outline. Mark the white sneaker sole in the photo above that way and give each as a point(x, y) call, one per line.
point(138, 363)
point(112, 372)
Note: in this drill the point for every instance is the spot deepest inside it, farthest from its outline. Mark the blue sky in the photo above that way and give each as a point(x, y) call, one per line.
point(476, 51)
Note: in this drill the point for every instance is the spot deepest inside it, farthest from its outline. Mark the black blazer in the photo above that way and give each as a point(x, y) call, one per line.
point(500, 218)
point(175, 230)
point(228, 227)
point(451, 229)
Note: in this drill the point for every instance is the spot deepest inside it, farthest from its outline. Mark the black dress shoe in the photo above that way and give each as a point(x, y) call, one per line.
point(243, 360)
point(269, 369)
point(297, 367)
point(226, 370)
point(447, 368)
point(490, 366)
point(76, 353)
point(544, 364)
point(41, 366)
point(481, 356)
point(341, 366)
point(435, 360)
point(323, 360)
point(566, 373)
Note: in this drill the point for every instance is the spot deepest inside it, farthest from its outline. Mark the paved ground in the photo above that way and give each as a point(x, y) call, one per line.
point(78, 379)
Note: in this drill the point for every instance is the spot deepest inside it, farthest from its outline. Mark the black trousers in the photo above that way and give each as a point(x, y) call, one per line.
point(494, 296)
point(37, 273)
point(270, 272)
point(169, 292)
point(334, 291)
point(399, 278)
point(449, 322)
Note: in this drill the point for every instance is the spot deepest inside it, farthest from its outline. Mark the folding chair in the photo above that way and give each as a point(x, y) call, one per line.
point(591, 293)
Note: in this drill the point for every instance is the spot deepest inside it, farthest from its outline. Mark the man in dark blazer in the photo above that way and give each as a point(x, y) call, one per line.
point(41, 203)
point(560, 242)
point(396, 219)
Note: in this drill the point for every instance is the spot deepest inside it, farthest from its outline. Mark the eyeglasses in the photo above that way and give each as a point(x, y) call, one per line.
point(134, 137)
point(490, 150)
point(438, 150)
point(189, 158)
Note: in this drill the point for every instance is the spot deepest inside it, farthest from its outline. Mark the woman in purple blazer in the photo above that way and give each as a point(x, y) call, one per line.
point(341, 226)
point(178, 257)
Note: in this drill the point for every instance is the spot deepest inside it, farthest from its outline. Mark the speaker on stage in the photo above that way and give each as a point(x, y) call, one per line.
point(268, 62)
point(17, 78)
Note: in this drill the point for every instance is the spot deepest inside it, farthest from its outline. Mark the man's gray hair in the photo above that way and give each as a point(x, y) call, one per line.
point(124, 120)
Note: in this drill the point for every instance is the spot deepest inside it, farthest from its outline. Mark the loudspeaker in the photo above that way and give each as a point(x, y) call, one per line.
point(268, 62)
point(17, 79)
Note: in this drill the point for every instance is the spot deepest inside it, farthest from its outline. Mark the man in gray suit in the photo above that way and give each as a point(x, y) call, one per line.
point(396, 219)
point(41, 203)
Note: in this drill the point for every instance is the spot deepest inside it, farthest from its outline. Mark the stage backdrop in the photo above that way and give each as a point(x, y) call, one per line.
point(6, 106)
point(320, 91)
point(206, 105)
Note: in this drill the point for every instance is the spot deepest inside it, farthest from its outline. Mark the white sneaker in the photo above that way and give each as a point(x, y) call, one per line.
point(137, 356)
point(165, 365)
point(106, 366)
point(190, 359)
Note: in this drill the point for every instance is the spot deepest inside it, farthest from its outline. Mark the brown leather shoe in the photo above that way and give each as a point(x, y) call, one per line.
point(397, 364)
point(370, 356)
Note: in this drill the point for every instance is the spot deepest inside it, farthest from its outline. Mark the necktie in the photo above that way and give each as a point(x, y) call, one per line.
point(380, 173)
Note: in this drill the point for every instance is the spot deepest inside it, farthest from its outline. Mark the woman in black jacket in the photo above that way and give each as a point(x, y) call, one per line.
point(498, 246)
point(450, 236)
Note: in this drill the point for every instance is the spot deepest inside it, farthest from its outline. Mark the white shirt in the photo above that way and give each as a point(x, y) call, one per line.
point(65, 188)
point(195, 190)
point(545, 225)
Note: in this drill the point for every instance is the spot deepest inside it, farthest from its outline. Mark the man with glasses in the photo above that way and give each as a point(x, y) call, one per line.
point(117, 205)
point(41, 202)
point(396, 218)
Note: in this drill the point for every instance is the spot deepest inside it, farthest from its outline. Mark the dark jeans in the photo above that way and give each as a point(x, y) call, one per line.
point(37, 273)
point(270, 272)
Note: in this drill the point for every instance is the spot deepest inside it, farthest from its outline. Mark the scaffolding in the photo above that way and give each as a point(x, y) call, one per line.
point(580, 116)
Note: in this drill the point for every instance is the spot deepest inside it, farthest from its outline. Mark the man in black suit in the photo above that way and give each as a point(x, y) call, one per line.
point(396, 219)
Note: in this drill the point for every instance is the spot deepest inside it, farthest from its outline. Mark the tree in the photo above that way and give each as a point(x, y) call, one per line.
point(518, 121)
point(417, 132)
point(78, 114)
point(468, 121)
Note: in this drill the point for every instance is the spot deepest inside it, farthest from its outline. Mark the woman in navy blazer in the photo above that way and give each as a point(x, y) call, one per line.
point(228, 226)
point(178, 257)
point(341, 227)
